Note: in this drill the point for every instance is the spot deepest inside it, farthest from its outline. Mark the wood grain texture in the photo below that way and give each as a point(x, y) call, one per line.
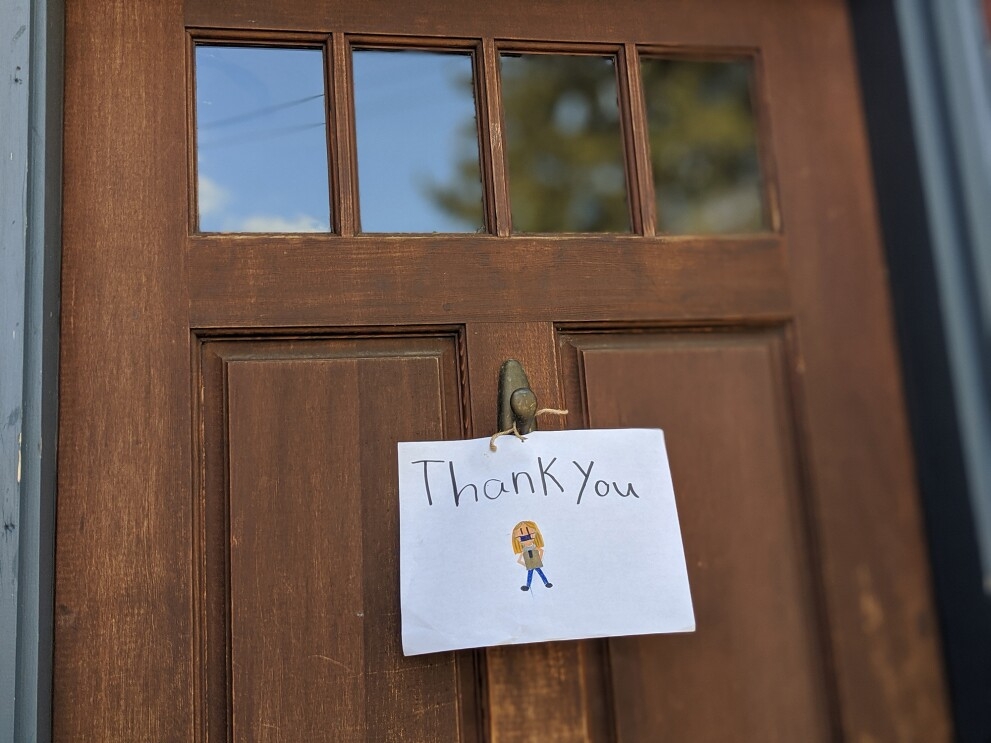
point(344, 145)
point(247, 281)
point(875, 565)
point(643, 206)
point(309, 534)
point(676, 22)
point(753, 670)
point(297, 605)
point(136, 284)
point(555, 699)
point(492, 127)
point(123, 667)
point(530, 343)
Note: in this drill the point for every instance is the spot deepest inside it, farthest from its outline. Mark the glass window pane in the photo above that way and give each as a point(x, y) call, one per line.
point(261, 140)
point(564, 145)
point(418, 163)
point(703, 146)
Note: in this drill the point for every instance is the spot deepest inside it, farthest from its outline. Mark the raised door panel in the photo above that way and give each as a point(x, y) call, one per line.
point(755, 667)
point(301, 530)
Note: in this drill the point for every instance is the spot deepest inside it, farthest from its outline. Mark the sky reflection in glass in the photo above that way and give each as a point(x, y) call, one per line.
point(418, 163)
point(261, 140)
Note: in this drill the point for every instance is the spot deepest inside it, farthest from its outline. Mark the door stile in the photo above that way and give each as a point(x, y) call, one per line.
point(123, 613)
point(881, 620)
point(488, 346)
point(566, 699)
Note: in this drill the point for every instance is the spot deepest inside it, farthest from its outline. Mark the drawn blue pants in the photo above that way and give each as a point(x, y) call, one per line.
point(529, 576)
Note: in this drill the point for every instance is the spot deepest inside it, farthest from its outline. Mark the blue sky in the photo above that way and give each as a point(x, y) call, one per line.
point(262, 150)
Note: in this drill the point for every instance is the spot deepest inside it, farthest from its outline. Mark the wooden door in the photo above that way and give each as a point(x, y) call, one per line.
point(227, 539)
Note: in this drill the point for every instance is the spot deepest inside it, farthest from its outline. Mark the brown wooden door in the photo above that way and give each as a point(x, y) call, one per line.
point(227, 541)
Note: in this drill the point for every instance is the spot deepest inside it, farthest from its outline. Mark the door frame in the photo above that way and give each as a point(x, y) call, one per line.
point(32, 85)
point(31, 70)
point(915, 60)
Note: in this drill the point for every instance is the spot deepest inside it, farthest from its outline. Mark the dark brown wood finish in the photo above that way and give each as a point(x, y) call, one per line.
point(343, 149)
point(488, 88)
point(301, 563)
point(638, 151)
point(722, 400)
point(123, 630)
point(240, 511)
point(559, 702)
point(858, 452)
point(244, 281)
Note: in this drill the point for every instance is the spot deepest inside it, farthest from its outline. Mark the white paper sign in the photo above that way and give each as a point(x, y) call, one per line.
point(566, 535)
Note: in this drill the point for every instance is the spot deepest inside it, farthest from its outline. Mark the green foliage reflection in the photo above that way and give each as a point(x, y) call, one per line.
point(564, 147)
point(703, 146)
point(565, 151)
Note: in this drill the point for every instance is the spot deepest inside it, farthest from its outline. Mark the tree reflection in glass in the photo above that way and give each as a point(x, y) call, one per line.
point(703, 146)
point(563, 144)
point(564, 149)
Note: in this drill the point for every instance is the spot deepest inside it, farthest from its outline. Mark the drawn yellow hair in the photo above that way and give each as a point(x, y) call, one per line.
point(538, 539)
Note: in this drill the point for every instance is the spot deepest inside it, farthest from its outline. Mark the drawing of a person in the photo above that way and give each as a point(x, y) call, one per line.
point(528, 545)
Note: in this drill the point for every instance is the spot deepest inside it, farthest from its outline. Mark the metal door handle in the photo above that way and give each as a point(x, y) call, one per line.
point(517, 403)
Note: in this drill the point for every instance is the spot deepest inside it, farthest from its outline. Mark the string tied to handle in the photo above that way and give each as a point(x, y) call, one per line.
point(515, 431)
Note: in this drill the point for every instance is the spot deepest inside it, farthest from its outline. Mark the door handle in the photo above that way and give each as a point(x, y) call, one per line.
point(517, 403)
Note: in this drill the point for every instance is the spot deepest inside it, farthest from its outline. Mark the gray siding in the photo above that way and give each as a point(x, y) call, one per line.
point(30, 146)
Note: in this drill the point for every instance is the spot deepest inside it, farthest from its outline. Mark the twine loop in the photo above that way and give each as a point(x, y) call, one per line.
point(515, 431)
